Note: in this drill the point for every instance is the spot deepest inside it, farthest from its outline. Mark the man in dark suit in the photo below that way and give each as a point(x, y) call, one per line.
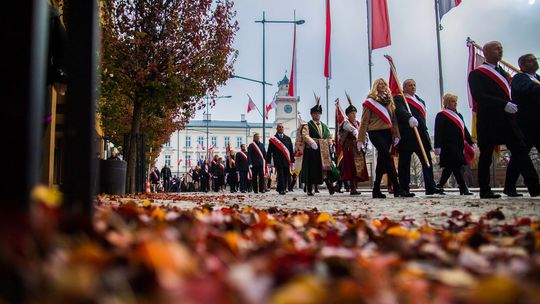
point(242, 166)
point(496, 124)
point(526, 95)
point(257, 163)
point(280, 149)
point(409, 143)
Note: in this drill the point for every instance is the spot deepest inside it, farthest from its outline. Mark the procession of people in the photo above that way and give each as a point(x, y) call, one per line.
point(395, 125)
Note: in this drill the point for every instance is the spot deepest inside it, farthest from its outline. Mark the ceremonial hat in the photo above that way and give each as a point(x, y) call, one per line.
point(350, 108)
point(317, 108)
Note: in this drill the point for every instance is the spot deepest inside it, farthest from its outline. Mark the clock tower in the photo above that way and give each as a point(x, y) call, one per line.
point(286, 108)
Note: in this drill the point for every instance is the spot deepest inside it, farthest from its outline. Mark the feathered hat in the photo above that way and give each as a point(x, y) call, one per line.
point(350, 108)
point(317, 108)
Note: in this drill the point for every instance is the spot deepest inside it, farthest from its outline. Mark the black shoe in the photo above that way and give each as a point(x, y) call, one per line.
point(512, 193)
point(402, 193)
point(465, 192)
point(316, 191)
point(282, 192)
point(377, 194)
point(310, 193)
point(291, 190)
point(435, 191)
point(489, 194)
point(355, 193)
point(339, 191)
point(534, 190)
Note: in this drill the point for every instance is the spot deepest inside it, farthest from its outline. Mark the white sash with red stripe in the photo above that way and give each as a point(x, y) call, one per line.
point(243, 154)
point(262, 157)
point(497, 77)
point(379, 109)
point(415, 102)
point(453, 116)
point(283, 149)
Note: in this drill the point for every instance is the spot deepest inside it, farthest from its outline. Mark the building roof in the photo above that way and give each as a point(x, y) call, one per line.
point(227, 124)
point(283, 81)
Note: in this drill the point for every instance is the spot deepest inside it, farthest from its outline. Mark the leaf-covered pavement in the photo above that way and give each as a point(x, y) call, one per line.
point(222, 249)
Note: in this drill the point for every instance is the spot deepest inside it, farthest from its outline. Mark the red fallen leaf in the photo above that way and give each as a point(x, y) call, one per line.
point(495, 214)
point(333, 239)
point(444, 214)
point(510, 230)
point(456, 214)
point(524, 221)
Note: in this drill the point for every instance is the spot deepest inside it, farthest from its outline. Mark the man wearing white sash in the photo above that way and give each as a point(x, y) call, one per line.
point(280, 150)
point(451, 135)
point(257, 163)
point(408, 143)
point(526, 94)
point(496, 123)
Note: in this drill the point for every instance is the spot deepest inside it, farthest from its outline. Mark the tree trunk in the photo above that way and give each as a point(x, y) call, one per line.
point(133, 148)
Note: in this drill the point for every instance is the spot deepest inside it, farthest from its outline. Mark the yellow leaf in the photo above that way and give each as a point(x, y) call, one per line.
point(301, 290)
point(324, 217)
point(50, 197)
point(158, 214)
point(398, 231)
point(146, 203)
point(232, 239)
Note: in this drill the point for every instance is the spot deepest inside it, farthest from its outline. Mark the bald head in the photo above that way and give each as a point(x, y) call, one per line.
point(493, 52)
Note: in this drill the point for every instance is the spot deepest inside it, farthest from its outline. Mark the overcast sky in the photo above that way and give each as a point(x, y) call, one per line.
point(414, 48)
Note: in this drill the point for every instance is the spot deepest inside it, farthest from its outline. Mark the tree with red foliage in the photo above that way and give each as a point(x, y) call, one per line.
point(158, 60)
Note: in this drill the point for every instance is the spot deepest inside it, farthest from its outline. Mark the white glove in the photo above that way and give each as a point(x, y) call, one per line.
point(314, 146)
point(437, 151)
point(396, 141)
point(475, 146)
point(511, 108)
point(250, 166)
point(360, 145)
point(413, 122)
point(355, 133)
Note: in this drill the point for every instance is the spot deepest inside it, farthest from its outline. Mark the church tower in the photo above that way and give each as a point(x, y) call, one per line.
point(286, 108)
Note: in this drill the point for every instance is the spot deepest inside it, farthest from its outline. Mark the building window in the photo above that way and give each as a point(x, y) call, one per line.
point(168, 144)
point(238, 142)
point(214, 141)
point(168, 160)
point(200, 141)
point(227, 140)
point(188, 141)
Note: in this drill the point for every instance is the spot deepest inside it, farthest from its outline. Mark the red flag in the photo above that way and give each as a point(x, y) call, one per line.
point(179, 162)
point(380, 25)
point(211, 149)
point(251, 104)
point(292, 82)
point(393, 82)
point(327, 53)
point(340, 118)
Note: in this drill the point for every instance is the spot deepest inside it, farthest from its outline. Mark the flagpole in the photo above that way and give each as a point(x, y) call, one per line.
point(327, 108)
point(368, 9)
point(439, 53)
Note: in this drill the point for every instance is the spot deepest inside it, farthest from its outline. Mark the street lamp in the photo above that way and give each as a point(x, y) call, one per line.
point(207, 120)
point(264, 21)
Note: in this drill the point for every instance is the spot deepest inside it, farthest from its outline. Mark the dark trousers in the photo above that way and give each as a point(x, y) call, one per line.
point(521, 158)
point(283, 178)
point(243, 180)
point(382, 140)
point(404, 169)
point(257, 179)
point(458, 175)
point(512, 171)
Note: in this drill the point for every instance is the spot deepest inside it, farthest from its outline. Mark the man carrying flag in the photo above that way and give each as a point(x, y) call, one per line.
point(280, 149)
point(353, 167)
point(496, 124)
point(257, 163)
point(408, 143)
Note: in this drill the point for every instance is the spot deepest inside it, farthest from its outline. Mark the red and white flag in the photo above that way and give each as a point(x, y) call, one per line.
point(251, 104)
point(292, 82)
point(327, 52)
point(211, 149)
point(270, 106)
point(380, 24)
point(446, 5)
point(179, 162)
